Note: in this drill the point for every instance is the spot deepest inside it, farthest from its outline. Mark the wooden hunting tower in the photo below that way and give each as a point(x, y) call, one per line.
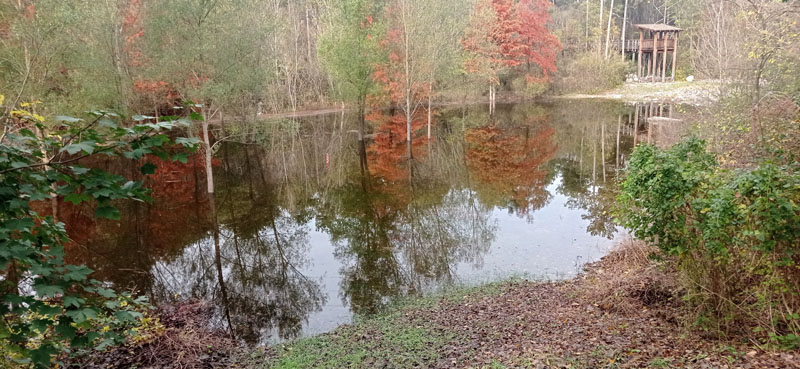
point(651, 50)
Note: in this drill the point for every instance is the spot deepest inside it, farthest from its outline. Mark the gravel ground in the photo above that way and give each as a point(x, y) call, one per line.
point(681, 92)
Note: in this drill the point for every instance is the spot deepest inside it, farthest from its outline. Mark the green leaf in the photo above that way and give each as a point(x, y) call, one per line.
point(66, 330)
point(42, 355)
point(108, 123)
point(139, 118)
point(41, 325)
point(148, 168)
point(22, 225)
point(79, 170)
point(187, 141)
point(108, 212)
point(85, 146)
point(195, 116)
point(48, 310)
point(105, 292)
point(77, 198)
point(73, 301)
point(81, 315)
point(181, 157)
point(64, 118)
point(124, 316)
point(77, 273)
point(48, 291)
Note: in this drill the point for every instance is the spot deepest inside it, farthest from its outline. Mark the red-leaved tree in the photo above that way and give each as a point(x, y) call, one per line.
point(504, 35)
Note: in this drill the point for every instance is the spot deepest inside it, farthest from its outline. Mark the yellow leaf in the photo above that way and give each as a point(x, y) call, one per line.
point(2, 99)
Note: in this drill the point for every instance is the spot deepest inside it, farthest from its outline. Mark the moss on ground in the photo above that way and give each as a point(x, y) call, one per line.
point(396, 338)
point(601, 319)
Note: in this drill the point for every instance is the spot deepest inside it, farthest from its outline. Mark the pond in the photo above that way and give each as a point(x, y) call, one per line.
point(312, 228)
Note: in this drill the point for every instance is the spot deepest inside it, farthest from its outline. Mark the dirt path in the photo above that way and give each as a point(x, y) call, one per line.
point(300, 114)
point(681, 92)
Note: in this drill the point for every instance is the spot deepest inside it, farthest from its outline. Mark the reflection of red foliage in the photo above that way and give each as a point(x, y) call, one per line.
point(176, 199)
point(510, 164)
point(389, 151)
point(178, 210)
point(387, 156)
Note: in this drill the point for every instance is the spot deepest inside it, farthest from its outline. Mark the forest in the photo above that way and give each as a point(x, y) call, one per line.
point(399, 183)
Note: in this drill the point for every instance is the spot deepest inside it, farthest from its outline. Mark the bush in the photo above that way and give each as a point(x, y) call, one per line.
point(49, 307)
point(527, 87)
point(735, 235)
point(590, 73)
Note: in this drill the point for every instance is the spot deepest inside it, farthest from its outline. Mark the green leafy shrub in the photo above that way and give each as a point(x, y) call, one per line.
point(48, 306)
point(591, 73)
point(735, 234)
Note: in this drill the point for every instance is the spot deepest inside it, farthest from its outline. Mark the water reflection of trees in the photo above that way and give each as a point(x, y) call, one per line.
point(255, 280)
point(401, 225)
point(398, 227)
point(595, 138)
point(390, 249)
point(511, 165)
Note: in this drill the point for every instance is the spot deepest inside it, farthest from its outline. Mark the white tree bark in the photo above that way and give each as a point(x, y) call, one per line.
point(608, 28)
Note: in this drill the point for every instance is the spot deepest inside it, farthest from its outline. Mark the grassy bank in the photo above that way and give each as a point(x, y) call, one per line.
point(624, 312)
point(399, 337)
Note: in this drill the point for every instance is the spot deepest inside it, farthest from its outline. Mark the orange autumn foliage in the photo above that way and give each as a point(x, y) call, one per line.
point(508, 34)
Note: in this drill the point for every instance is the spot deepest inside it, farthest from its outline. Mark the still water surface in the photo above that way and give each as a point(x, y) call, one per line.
point(314, 229)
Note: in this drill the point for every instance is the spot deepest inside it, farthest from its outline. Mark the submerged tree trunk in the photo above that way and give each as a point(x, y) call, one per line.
point(208, 153)
point(361, 118)
point(603, 149)
point(218, 263)
point(430, 97)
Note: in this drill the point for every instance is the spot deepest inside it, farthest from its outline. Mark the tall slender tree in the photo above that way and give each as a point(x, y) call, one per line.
point(349, 50)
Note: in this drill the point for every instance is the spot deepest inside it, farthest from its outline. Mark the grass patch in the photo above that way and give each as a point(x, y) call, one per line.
point(396, 337)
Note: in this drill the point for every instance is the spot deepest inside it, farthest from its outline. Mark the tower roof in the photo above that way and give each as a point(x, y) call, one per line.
point(658, 27)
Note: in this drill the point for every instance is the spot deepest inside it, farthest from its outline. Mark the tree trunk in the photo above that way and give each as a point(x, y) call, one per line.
point(624, 27)
point(408, 81)
point(207, 150)
point(587, 25)
point(430, 98)
point(600, 28)
point(608, 28)
point(619, 128)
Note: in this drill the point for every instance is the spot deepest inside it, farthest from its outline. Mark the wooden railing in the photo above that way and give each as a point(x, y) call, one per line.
point(647, 45)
